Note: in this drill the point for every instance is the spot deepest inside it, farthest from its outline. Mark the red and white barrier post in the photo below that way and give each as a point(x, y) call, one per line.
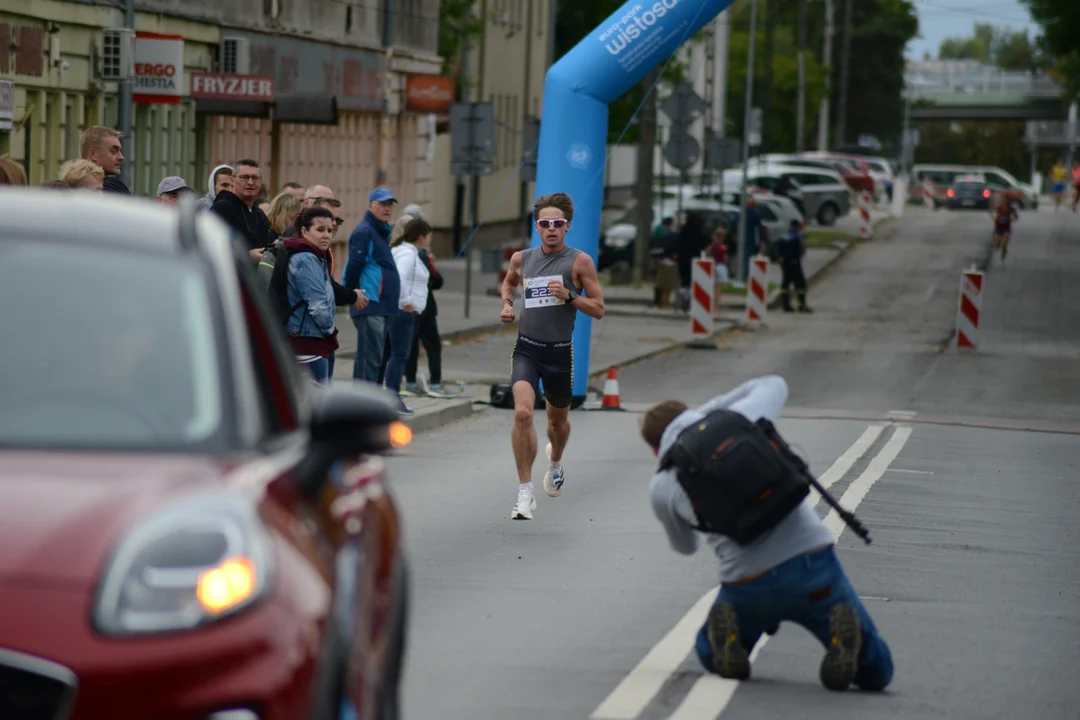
point(865, 224)
point(756, 286)
point(967, 315)
point(928, 194)
point(702, 289)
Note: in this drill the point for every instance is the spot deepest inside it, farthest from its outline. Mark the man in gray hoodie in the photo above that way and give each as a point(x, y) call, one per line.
point(221, 178)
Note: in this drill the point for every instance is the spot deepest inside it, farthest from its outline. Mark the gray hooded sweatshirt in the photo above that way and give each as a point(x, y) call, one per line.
point(207, 200)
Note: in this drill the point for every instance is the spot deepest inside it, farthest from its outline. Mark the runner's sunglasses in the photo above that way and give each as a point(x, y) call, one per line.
point(545, 223)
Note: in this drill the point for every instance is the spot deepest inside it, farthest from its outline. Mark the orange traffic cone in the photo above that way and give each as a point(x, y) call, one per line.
point(611, 392)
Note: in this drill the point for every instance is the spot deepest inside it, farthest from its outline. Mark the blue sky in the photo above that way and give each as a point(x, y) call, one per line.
point(940, 19)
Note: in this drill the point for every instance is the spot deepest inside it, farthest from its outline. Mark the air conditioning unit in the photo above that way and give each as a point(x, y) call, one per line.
point(118, 54)
point(235, 56)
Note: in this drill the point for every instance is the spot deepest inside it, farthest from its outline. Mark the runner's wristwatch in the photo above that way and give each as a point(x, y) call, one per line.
point(572, 296)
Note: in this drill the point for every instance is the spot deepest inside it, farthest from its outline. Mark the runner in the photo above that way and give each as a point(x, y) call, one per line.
point(1075, 185)
point(1058, 176)
point(552, 275)
point(1003, 213)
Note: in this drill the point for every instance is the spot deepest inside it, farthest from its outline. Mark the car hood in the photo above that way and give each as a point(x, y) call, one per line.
point(62, 514)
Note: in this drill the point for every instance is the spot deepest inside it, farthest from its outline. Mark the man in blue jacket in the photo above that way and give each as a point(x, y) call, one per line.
point(371, 268)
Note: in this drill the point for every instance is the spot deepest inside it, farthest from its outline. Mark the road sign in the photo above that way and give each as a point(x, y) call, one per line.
point(683, 106)
point(530, 142)
point(682, 151)
point(756, 123)
point(722, 153)
point(472, 138)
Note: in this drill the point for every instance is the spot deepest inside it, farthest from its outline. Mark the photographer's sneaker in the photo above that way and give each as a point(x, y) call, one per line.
point(841, 661)
point(526, 503)
point(730, 659)
point(553, 478)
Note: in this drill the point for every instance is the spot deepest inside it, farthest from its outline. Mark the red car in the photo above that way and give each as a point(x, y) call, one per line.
point(189, 528)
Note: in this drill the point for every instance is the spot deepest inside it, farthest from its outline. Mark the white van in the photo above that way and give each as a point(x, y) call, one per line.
point(942, 176)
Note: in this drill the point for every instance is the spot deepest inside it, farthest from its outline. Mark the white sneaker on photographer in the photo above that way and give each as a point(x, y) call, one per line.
point(553, 478)
point(526, 503)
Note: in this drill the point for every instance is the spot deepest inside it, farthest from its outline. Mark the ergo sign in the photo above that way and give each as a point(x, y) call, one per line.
point(159, 68)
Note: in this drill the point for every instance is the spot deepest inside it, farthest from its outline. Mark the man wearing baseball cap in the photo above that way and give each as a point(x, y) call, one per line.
point(171, 188)
point(371, 268)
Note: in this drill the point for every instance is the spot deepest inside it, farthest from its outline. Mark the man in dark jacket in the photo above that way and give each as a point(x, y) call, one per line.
point(239, 211)
point(789, 252)
point(101, 146)
point(371, 268)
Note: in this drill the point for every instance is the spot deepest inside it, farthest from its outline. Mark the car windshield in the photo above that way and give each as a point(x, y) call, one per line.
point(104, 349)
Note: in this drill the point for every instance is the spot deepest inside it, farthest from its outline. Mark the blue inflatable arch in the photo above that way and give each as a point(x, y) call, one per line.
point(574, 121)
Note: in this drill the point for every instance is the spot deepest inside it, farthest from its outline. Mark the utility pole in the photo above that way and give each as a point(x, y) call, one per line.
point(126, 109)
point(845, 73)
point(644, 179)
point(800, 123)
point(826, 60)
point(747, 111)
point(722, 38)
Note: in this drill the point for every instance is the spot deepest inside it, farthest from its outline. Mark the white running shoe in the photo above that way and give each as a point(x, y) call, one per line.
point(526, 503)
point(553, 479)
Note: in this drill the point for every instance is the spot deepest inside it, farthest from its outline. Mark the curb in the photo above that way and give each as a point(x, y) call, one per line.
point(453, 410)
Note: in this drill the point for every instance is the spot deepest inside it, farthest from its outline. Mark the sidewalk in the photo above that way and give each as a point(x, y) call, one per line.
point(476, 350)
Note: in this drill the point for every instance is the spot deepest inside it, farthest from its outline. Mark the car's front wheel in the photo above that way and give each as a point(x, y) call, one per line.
point(827, 214)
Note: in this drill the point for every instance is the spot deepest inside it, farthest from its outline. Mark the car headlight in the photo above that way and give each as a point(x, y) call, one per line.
point(192, 564)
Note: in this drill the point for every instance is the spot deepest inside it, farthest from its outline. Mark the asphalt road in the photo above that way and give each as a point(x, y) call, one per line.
point(963, 466)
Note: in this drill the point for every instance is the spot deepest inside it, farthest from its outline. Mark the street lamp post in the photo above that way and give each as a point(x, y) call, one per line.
point(740, 270)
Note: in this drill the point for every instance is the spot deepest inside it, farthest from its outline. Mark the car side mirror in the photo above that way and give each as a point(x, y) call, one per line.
point(347, 421)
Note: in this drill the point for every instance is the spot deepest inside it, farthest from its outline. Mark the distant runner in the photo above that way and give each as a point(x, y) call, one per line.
point(1075, 185)
point(1058, 176)
point(552, 276)
point(1003, 213)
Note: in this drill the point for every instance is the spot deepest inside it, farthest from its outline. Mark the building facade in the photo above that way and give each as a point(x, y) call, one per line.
point(315, 90)
point(506, 67)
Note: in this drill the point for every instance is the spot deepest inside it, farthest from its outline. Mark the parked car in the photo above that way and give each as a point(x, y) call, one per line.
point(190, 527)
point(851, 175)
point(820, 194)
point(968, 193)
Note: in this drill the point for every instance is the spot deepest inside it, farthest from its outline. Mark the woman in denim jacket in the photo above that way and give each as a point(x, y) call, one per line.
point(311, 324)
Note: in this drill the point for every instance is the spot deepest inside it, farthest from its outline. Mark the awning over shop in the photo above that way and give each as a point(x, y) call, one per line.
point(307, 109)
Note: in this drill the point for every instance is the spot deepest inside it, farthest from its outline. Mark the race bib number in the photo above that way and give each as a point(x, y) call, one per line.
point(537, 293)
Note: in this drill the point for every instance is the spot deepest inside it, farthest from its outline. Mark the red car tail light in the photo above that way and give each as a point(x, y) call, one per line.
point(986, 193)
point(950, 192)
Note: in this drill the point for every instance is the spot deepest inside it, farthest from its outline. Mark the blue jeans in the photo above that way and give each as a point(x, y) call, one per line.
point(370, 340)
point(320, 370)
point(401, 330)
point(802, 590)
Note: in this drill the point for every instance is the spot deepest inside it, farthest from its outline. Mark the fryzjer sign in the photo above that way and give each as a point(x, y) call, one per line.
point(159, 68)
point(221, 86)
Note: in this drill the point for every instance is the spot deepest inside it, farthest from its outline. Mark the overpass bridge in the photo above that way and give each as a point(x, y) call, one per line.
point(970, 90)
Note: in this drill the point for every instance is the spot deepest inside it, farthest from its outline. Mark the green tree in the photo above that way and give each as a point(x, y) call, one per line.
point(979, 47)
point(458, 25)
point(999, 143)
point(1060, 21)
point(1009, 50)
point(881, 29)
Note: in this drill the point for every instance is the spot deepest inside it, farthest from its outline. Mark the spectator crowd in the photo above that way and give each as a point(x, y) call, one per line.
point(387, 282)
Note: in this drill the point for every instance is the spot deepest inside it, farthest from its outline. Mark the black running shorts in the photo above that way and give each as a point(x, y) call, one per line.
point(551, 363)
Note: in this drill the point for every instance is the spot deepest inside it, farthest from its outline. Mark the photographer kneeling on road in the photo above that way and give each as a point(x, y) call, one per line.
point(776, 557)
